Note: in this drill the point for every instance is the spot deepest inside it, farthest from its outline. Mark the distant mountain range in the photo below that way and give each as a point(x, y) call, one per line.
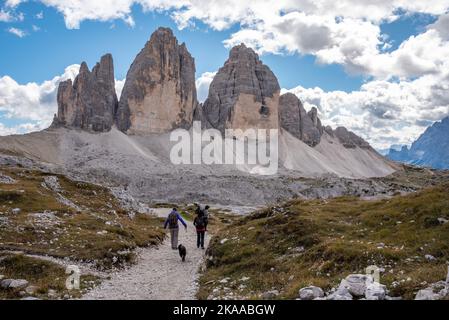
point(430, 150)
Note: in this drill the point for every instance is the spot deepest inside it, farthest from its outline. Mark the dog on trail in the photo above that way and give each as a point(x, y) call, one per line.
point(182, 252)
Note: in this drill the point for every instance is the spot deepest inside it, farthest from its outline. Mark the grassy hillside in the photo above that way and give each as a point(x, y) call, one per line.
point(319, 242)
point(81, 221)
point(68, 219)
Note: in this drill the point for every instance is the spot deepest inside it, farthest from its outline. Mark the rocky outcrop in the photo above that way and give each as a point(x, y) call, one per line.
point(90, 102)
point(244, 94)
point(159, 93)
point(349, 139)
point(294, 118)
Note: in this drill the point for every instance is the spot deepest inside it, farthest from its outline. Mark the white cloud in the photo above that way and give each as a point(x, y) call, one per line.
point(9, 16)
point(77, 11)
point(202, 85)
point(17, 32)
point(40, 15)
point(345, 32)
point(13, 3)
point(20, 129)
point(119, 84)
point(383, 112)
point(6, 16)
point(31, 102)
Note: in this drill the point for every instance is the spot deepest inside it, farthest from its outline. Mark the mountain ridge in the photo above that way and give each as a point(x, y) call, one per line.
point(431, 149)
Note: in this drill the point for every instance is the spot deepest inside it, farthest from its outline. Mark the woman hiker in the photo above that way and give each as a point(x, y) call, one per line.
point(200, 223)
point(172, 223)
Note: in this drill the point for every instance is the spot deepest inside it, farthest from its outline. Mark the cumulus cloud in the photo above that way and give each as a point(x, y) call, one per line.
point(407, 87)
point(345, 32)
point(31, 102)
point(202, 85)
point(382, 112)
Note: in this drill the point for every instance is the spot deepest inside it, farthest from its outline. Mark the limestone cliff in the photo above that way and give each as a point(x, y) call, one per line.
point(159, 94)
point(243, 94)
point(90, 102)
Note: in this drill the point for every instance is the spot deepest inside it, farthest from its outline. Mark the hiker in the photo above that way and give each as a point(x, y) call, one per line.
point(200, 225)
point(204, 212)
point(172, 223)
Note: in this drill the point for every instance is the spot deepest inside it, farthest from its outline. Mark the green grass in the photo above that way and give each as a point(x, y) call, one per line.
point(339, 236)
point(43, 275)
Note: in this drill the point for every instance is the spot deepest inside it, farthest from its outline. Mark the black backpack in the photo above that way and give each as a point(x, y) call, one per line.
point(200, 222)
point(173, 220)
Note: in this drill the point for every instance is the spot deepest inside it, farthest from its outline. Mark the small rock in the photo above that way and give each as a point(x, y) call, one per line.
point(16, 211)
point(442, 220)
point(269, 295)
point(375, 291)
point(427, 294)
point(429, 257)
point(51, 293)
point(29, 298)
point(223, 241)
point(14, 284)
point(31, 290)
point(311, 293)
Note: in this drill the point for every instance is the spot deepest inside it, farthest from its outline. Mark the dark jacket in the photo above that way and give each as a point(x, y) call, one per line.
point(197, 221)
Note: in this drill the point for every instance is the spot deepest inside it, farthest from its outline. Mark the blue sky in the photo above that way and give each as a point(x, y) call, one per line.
point(349, 70)
point(41, 55)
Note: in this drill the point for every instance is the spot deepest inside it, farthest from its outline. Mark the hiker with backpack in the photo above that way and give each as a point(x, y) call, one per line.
point(204, 212)
point(172, 223)
point(200, 224)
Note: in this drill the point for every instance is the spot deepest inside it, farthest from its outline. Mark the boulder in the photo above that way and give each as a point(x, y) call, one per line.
point(14, 284)
point(342, 293)
point(427, 294)
point(357, 284)
point(90, 102)
point(436, 291)
point(311, 293)
point(375, 291)
point(244, 94)
point(159, 94)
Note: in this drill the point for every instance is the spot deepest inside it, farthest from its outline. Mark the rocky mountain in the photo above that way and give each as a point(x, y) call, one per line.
point(294, 118)
point(349, 139)
point(159, 94)
point(90, 102)
point(243, 94)
point(307, 127)
point(430, 150)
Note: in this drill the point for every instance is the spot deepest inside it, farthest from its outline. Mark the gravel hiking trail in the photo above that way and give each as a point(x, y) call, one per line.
point(159, 273)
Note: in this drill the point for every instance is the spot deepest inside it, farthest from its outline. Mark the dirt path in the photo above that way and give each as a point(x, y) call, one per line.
point(159, 273)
